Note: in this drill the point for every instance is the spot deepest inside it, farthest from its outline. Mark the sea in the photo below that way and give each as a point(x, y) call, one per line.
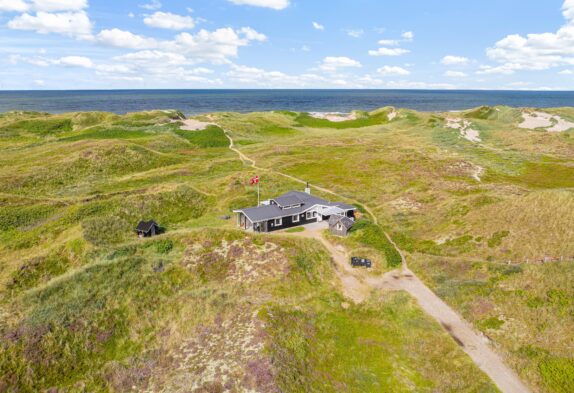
point(192, 102)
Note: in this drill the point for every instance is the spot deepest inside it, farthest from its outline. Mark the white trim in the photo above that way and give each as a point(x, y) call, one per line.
point(277, 224)
point(296, 218)
point(287, 215)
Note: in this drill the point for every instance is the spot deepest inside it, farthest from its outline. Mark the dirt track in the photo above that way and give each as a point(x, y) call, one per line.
point(357, 287)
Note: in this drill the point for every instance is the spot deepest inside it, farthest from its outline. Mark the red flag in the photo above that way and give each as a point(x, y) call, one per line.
point(255, 180)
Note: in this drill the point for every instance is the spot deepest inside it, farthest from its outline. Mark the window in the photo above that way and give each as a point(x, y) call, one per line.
point(296, 218)
point(339, 227)
point(309, 215)
point(278, 222)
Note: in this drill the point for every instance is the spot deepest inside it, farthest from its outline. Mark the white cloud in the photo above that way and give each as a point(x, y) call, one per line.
point(389, 42)
point(152, 5)
point(455, 74)
point(39, 83)
point(59, 5)
point(408, 35)
point(332, 63)
point(538, 51)
point(355, 33)
point(125, 39)
point(392, 70)
point(13, 6)
point(454, 60)
point(566, 72)
point(75, 61)
point(252, 35)
point(305, 48)
point(318, 26)
point(151, 57)
point(73, 24)
point(389, 52)
point(505, 69)
point(167, 20)
point(274, 4)
point(215, 46)
point(418, 85)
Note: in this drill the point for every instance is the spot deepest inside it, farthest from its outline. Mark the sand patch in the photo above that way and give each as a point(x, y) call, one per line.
point(194, 125)
point(468, 169)
point(392, 115)
point(334, 116)
point(241, 261)
point(552, 123)
point(405, 204)
point(227, 356)
point(465, 129)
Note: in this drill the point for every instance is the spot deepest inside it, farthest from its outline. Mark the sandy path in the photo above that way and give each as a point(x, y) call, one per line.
point(357, 286)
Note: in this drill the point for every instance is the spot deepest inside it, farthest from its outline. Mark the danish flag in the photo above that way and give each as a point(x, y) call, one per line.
point(255, 180)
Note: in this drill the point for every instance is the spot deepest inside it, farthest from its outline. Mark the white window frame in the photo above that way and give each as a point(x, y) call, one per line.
point(278, 222)
point(296, 218)
point(309, 215)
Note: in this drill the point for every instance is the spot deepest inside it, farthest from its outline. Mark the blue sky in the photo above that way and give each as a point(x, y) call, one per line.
point(426, 44)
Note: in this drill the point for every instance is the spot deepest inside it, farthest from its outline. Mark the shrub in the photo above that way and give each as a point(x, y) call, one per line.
point(558, 374)
point(163, 246)
point(496, 239)
point(372, 235)
point(491, 323)
point(105, 230)
point(39, 269)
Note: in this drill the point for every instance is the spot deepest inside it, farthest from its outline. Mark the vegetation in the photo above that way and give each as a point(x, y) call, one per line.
point(87, 306)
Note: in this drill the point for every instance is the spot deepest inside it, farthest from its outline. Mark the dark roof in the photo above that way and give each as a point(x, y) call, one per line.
point(145, 226)
point(302, 200)
point(345, 221)
point(288, 200)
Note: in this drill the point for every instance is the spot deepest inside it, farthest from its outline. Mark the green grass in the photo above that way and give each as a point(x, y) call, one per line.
point(362, 349)
point(212, 136)
point(558, 374)
point(86, 303)
point(364, 120)
point(42, 127)
point(295, 230)
point(373, 236)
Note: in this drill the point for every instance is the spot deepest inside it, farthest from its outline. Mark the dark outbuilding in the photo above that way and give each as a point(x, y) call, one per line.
point(340, 225)
point(147, 228)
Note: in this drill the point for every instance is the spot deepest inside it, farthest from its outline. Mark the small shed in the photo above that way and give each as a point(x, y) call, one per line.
point(340, 225)
point(147, 228)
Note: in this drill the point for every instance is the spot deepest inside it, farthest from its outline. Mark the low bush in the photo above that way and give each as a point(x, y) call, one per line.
point(372, 235)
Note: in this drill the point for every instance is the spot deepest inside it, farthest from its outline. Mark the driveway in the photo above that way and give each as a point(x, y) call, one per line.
point(357, 286)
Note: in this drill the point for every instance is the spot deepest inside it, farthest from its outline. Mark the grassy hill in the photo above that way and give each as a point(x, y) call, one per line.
point(86, 306)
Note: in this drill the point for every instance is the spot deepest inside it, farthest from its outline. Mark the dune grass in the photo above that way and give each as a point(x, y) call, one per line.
point(86, 305)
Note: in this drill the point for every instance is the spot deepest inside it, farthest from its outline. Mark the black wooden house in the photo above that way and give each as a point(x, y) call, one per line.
point(291, 209)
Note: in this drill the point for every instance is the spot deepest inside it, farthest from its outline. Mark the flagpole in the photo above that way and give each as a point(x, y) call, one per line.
point(258, 198)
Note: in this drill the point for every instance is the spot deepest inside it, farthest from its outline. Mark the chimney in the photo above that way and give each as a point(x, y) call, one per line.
point(308, 189)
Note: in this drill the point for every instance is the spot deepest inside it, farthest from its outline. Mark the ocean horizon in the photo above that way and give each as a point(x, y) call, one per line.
point(192, 102)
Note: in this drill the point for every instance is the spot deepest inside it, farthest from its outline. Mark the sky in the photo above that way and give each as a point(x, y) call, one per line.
point(204, 44)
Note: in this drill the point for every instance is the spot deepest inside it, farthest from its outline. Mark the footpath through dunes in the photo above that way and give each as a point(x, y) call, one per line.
point(358, 287)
